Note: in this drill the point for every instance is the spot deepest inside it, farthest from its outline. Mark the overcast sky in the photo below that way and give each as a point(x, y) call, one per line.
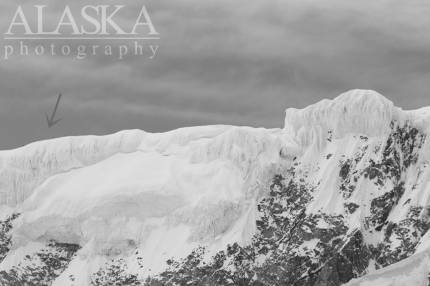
point(220, 62)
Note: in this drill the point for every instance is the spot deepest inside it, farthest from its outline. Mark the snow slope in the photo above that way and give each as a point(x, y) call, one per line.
point(144, 197)
point(410, 271)
point(165, 193)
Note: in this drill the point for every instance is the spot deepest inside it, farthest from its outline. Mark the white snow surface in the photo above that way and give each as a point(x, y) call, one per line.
point(410, 271)
point(166, 193)
point(356, 111)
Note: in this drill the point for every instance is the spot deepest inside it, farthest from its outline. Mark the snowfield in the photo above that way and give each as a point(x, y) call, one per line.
point(143, 198)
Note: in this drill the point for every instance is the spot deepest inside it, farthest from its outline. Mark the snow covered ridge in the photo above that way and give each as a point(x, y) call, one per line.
point(356, 111)
point(340, 194)
point(166, 192)
point(23, 169)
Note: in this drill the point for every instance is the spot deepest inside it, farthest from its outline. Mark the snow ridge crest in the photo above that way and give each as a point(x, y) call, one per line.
point(355, 111)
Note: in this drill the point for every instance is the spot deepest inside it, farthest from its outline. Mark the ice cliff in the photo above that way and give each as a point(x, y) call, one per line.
point(339, 195)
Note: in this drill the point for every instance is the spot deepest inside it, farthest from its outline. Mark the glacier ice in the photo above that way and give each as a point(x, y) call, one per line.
point(167, 193)
point(166, 190)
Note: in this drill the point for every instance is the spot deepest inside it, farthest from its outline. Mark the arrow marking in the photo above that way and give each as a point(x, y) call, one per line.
point(50, 120)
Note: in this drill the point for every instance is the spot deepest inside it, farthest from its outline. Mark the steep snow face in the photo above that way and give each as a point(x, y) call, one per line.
point(345, 182)
point(367, 162)
point(162, 193)
point(357, 111)
point(24, 169)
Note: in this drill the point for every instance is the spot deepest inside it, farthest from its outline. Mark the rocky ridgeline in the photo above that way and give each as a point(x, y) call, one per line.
point(295, 247)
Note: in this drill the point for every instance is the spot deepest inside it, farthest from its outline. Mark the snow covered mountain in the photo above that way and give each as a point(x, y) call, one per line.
point(340, 195)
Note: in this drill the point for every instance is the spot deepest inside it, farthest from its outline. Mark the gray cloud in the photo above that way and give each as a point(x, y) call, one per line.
point(222, 62)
